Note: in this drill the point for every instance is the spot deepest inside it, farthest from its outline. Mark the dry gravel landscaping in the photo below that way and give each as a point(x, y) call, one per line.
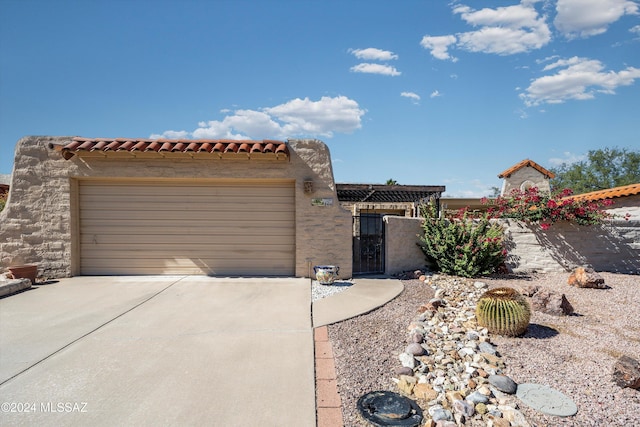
point(572, 354)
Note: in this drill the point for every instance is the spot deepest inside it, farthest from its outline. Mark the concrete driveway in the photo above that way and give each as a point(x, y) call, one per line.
point(158, 351)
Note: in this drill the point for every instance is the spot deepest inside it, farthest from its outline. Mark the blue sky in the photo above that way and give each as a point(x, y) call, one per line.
point(424, 92)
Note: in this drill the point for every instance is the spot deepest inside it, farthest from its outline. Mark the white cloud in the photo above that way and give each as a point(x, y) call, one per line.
point(467, 188)
point(439, 46)
point(576, 78)
point(297, 117)
point(635, 29)
point(244, 122)
point(323, 117)
point(435, 94)
point(585, 18)
point(568, 159)
point(504, 30)
point(373, 54)
point(171, 134)
point(413, 96)
point(369, 68)
point(547, 59)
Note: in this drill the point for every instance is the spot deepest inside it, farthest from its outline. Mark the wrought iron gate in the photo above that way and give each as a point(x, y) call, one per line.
point(368, 243)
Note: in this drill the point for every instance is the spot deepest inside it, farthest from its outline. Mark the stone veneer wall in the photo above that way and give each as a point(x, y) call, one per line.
point(527, 173)
point(38, 222)
point(613, 247)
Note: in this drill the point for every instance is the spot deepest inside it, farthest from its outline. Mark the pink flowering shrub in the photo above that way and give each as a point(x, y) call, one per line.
point(533, 207)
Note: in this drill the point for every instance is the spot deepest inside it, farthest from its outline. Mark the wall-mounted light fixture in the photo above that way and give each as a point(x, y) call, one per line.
point(308, 186)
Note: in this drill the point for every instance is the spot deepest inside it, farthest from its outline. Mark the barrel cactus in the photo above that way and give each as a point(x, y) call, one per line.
point(503, 311)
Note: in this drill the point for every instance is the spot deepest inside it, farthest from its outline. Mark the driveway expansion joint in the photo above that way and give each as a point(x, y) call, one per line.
point(97, 328)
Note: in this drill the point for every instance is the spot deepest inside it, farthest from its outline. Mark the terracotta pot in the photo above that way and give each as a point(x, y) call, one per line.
point(25, 272)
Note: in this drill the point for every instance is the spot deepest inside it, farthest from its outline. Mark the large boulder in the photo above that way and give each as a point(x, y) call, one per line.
point(585, 277)
point(550, 302)
point(626, 372)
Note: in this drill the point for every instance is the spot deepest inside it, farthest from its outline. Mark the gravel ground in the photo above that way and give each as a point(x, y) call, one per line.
point(319, 291)
point(573, 354)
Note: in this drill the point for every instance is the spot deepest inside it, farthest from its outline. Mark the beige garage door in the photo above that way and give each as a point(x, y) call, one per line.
point(169, 227)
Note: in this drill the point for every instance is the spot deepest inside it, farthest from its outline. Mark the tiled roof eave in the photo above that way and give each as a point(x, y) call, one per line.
point(526, 163)
point(610, 193)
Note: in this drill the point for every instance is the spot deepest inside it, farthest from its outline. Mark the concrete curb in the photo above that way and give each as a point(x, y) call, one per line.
point(13, 286)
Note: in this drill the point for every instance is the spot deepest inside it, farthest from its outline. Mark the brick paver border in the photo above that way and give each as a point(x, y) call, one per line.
point(328, 402)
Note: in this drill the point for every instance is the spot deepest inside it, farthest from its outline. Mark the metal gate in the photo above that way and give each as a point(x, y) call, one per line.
point(368, 243)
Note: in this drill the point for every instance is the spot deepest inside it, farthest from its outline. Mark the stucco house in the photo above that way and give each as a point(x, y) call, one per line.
point(96, 206)
point(525, 175)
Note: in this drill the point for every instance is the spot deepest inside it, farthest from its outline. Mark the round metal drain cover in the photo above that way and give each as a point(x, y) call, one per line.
point(384, 408)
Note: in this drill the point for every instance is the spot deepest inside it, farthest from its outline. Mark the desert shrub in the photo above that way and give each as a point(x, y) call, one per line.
point(462, 246)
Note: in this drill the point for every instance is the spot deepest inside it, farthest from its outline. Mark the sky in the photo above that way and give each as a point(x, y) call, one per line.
point(422, 92)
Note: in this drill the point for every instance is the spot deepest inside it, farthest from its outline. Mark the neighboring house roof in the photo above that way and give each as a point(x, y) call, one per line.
point(218, 147)
point(387, 193)
point(610, 193)
point(523, 164)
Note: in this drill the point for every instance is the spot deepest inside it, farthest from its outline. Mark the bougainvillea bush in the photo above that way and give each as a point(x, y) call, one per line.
point(462, 246)
point(534, 207)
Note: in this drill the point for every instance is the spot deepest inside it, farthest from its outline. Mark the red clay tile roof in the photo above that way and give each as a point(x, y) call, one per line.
point(610, 193)
point(164, 146)
point(523, 164)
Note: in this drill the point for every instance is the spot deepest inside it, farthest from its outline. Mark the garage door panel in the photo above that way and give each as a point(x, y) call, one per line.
point(271, 237)
point(182, 270)
point(243, 228)
point(275, 203)
point(126, 234)
point(149, 190)
point(226, 252)
point(134, 217)
point(185, 266)
point(188, 228)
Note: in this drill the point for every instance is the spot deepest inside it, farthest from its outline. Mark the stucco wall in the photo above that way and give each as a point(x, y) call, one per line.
point(38, 223)
point(614, 247)
point(402, 252)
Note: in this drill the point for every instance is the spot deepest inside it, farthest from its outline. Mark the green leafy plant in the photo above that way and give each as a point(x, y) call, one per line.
point(538, 208)
point(503, 311)
point(462, 246)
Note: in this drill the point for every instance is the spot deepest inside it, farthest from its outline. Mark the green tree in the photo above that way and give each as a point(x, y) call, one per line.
point(603, 168)
point(391, 182)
